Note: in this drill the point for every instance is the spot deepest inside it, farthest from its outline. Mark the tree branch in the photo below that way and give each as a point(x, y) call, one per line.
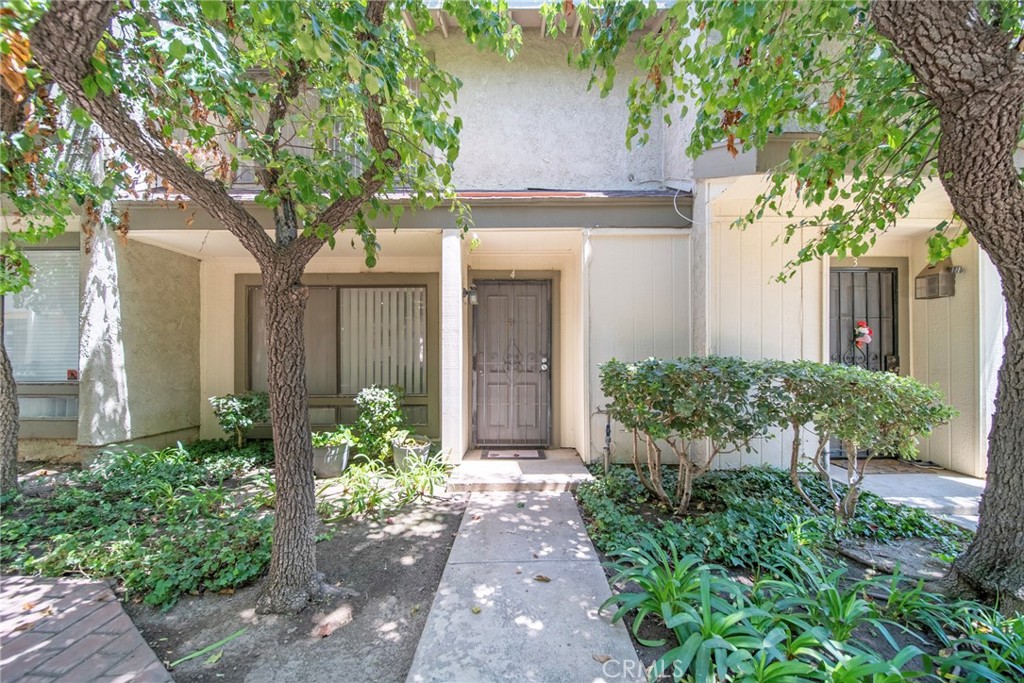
point(371, 181)
point(63, 42)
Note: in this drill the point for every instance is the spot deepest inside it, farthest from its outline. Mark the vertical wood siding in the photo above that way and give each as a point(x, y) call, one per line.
point(640, 306)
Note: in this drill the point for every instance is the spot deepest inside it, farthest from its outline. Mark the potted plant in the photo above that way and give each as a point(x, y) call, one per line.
point(405, 444)
point(331, 451)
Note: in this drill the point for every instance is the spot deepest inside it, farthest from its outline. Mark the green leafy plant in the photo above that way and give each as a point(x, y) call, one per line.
point(380, 419)
point(237, 414)
point(729, 402)
point(990, 648)
point(740, 517)
point(681, 404)
point(340, 436)
point(160, 521)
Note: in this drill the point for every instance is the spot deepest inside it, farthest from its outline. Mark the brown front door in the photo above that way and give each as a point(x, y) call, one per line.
point(512, 363)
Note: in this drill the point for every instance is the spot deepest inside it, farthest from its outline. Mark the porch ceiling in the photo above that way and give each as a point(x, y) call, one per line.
point(738, 194)
point(219, 244)
point(213, 244)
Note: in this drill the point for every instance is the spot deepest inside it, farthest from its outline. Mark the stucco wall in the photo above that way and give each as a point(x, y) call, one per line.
point(139, 343)
point(533, 123)
point(639, 305)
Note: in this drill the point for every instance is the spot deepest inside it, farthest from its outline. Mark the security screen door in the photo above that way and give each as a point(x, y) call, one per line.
point(512, 363)
point(863, 295)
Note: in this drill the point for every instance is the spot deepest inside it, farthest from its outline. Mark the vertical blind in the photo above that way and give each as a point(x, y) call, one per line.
point(355, 337)
point(41, 322)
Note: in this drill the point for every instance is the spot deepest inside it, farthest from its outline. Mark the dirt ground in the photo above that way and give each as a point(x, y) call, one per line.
point(387, 570)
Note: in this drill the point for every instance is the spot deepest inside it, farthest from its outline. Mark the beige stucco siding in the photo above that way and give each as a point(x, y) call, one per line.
point(533, 123)
point(639, 305)
point(139, 343)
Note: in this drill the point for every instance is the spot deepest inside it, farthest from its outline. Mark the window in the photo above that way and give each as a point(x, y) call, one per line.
point(355, 337)
point(41, 324)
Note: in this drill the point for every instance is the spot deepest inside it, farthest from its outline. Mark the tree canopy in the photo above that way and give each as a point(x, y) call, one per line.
point(749, 71)
point(321, 108)
point(891, 95)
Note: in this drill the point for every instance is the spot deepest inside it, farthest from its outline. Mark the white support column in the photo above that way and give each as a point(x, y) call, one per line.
point(453, 348)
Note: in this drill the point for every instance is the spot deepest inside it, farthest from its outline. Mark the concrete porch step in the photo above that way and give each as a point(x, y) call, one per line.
point(561, 470)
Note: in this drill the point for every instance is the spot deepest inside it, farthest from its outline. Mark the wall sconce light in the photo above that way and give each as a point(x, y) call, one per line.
point(471, 295)
point(937, 280)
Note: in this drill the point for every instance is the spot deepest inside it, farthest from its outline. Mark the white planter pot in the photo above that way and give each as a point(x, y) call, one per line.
point(420, 448)
point(330, 461)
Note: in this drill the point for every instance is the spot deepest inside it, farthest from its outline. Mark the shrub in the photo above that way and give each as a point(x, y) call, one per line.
point(239, 413)
point(380, 419)
point(745, 515)
point(340, 436)
point(681, 403)
point(877, 411)
point(730, 402)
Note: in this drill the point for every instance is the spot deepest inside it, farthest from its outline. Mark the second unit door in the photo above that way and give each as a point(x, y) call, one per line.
point(512, 363)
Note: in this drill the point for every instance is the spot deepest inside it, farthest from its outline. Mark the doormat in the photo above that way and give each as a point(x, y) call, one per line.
point(513, 454)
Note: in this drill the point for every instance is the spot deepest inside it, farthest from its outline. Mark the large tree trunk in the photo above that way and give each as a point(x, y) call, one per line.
point(294, 579)
point(994, 561)
point(974, 76)
point(8, 422)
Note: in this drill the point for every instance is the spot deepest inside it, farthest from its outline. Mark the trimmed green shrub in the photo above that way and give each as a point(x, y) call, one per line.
point(239, 413)
point(727, 403)
point(680, 404)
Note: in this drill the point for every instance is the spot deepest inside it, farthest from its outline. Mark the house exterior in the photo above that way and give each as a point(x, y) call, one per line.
point(581, 251)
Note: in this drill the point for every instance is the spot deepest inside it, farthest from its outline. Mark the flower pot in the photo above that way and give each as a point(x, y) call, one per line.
point(330, 461)
point(412, 445)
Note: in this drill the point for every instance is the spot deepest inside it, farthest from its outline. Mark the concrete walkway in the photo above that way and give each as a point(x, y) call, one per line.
point(519, 600)
point(941, 492)
point(70, 631)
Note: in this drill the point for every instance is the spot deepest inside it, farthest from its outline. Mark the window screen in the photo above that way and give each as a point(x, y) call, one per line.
point(41, 322)
point(355, 337)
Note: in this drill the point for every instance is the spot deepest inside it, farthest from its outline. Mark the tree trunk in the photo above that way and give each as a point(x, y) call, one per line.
point(293, 581)
point(994, 562)
point(8, 422)
point(974, 75)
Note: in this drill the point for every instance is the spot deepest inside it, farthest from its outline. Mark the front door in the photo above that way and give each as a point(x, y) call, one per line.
point(867, 295)
point(512, 363)
point(870, 296)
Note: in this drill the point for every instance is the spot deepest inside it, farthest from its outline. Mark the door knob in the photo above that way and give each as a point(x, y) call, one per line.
point(543, 366)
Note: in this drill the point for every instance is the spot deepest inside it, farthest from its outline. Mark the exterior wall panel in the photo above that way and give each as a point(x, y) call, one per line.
point(140, 343)
point(640, 305)
point(532, 122)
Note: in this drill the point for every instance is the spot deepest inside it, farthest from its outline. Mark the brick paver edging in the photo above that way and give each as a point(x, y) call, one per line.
point(70, 631)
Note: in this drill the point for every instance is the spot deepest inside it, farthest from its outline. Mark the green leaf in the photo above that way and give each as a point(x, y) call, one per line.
point(177, 49)
point(81, 117)
point(215, 10)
